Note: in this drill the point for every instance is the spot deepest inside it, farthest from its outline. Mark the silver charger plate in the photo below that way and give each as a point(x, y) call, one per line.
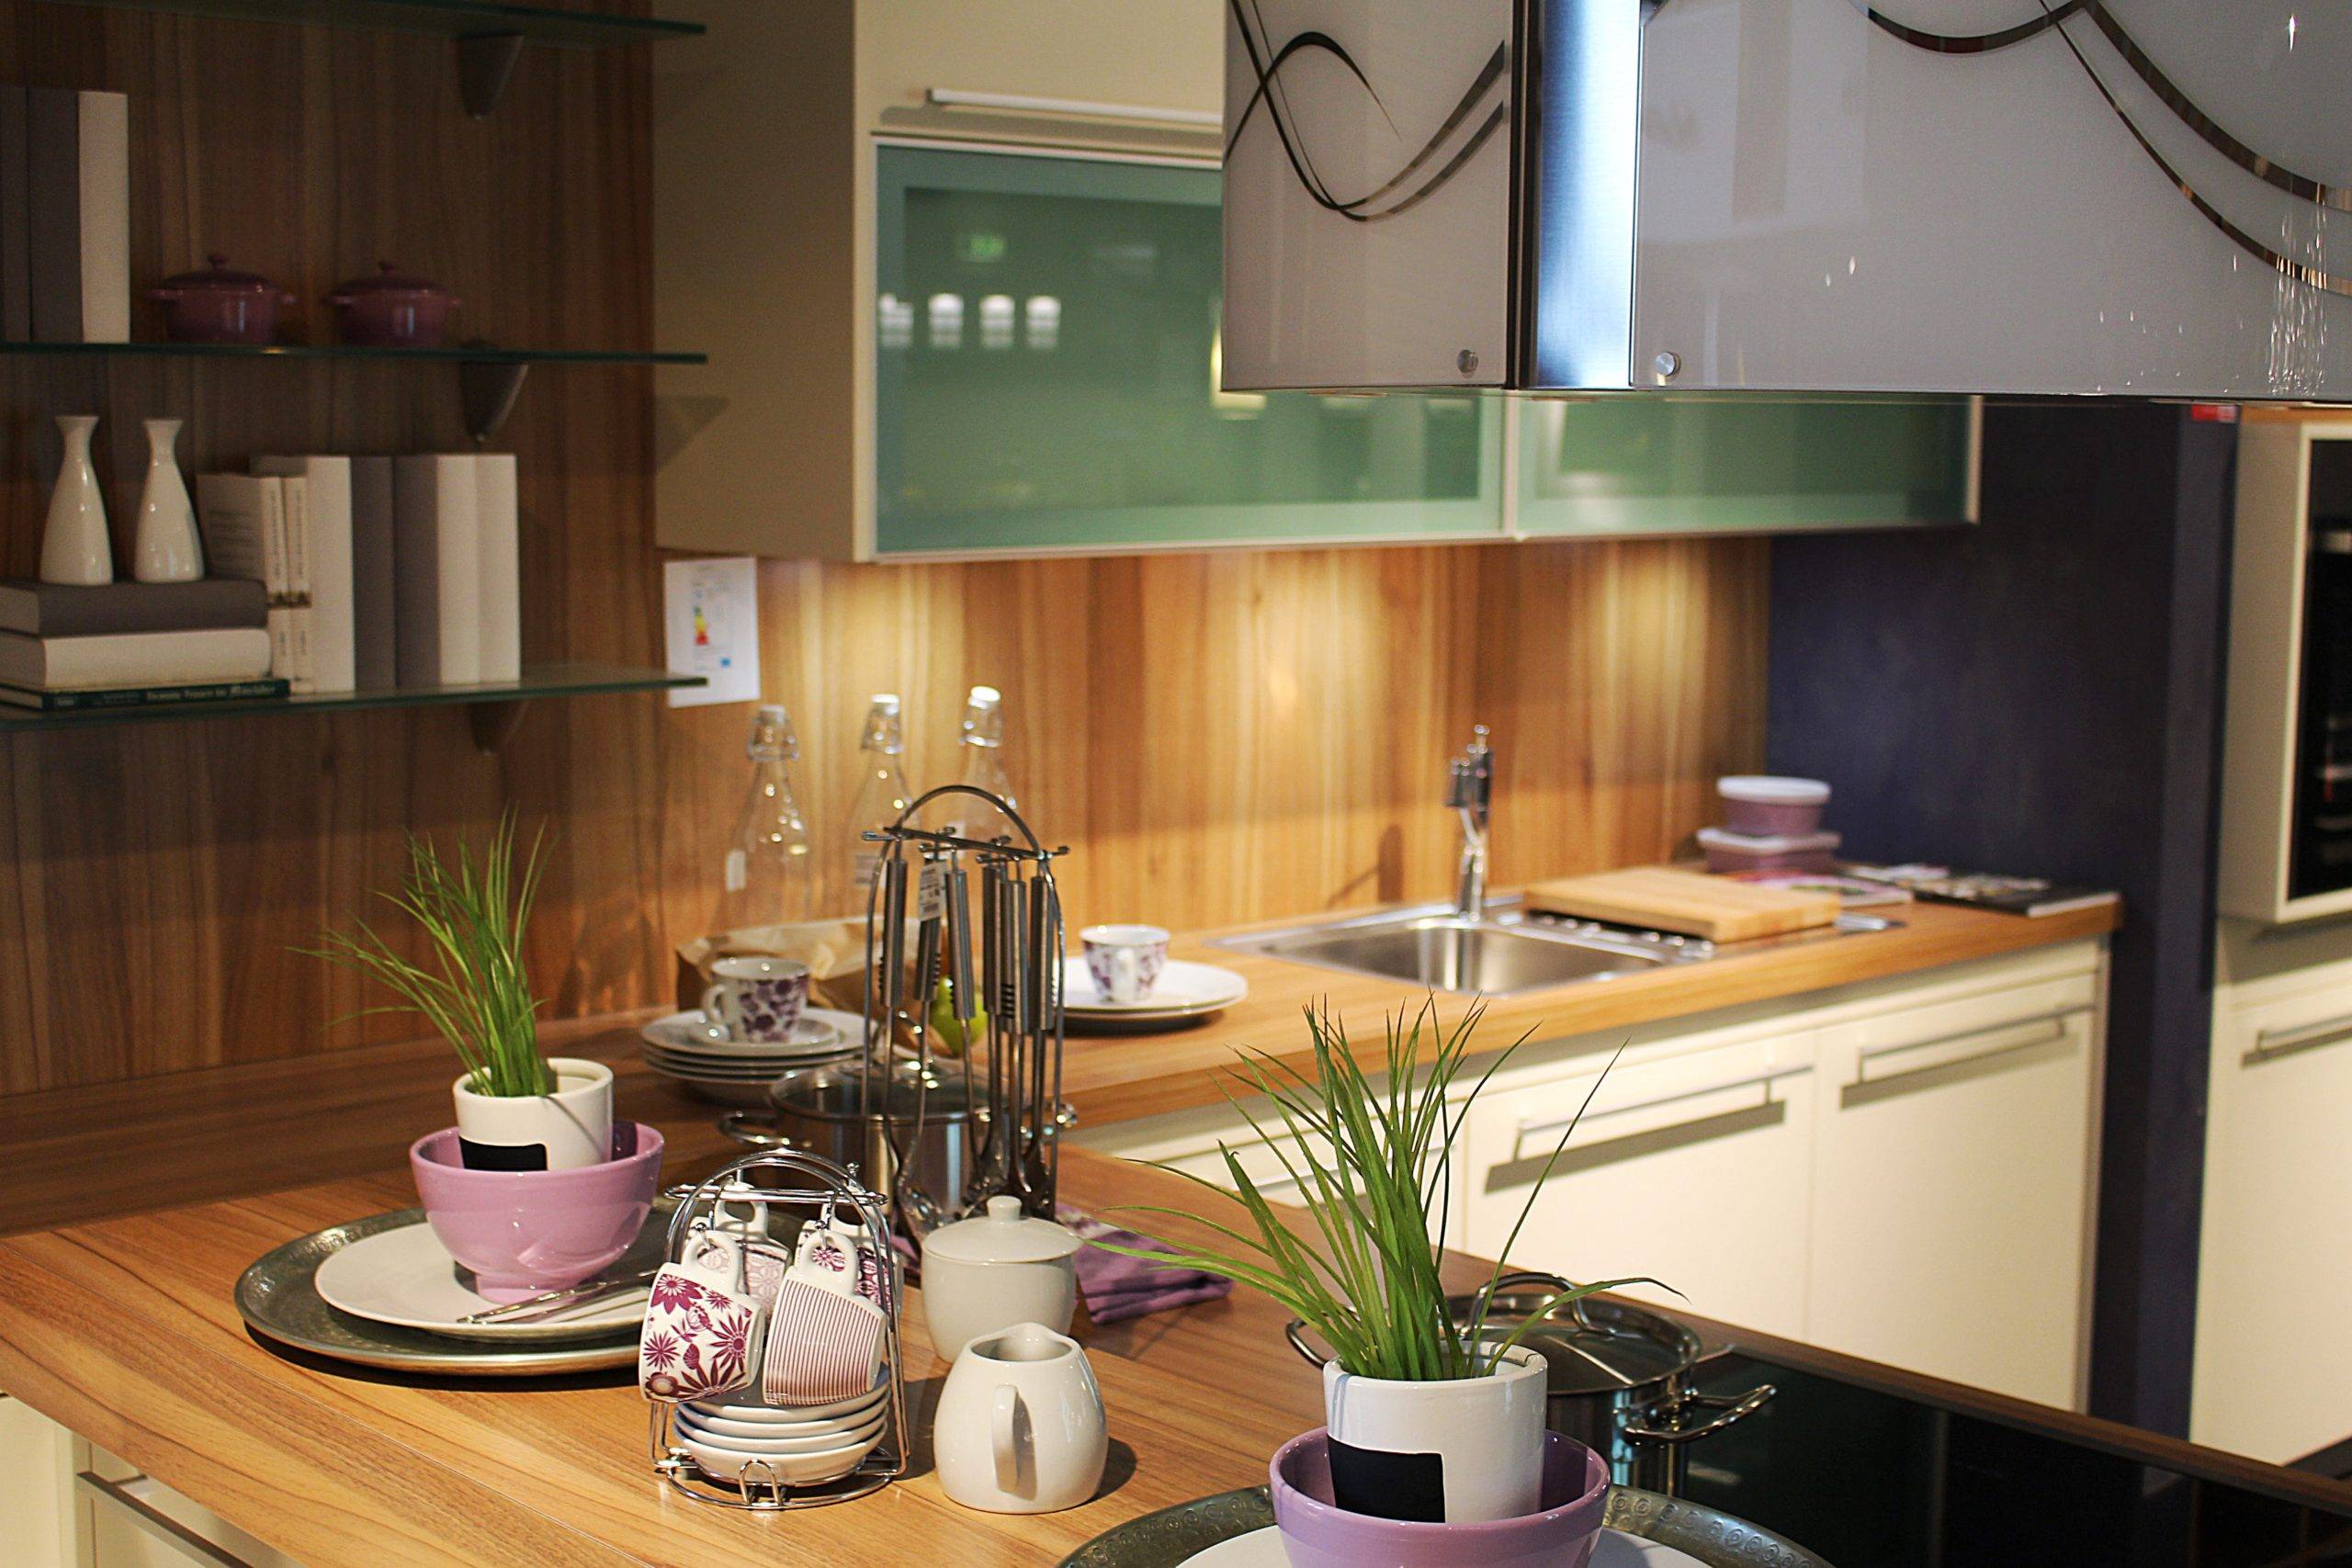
point(277, 1296)
point(1173, 1536)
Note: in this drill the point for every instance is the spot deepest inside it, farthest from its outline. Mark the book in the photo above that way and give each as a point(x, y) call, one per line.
point(59, 609)
point(15, 219)
point(498, 523)
point(437, 552)
point(242, 518)
point(66, 701)
point(318, 530)
point(135, 659)
point(375, 654)
point(77, 190)
point(2028, 896)
point(294, 493)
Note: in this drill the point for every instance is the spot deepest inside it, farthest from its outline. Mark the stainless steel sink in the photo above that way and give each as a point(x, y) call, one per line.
point(1498, 956)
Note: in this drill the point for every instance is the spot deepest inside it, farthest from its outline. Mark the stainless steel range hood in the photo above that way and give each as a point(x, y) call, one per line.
point(2143, 198)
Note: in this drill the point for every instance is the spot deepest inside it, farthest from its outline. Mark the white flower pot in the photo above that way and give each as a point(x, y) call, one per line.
point(574, 1124)
point(1462, 1451)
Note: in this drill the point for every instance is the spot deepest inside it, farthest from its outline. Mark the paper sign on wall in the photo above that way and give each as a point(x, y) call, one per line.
point(713, 615)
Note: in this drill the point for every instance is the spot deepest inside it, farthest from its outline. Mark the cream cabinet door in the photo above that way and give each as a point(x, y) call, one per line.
point(36, 1507)
point(1952, 1188)
point(2274, 1366)
point(1692, 1168)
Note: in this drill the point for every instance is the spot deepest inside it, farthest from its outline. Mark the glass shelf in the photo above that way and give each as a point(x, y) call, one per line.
point(448, 354)
point(539, 681)
point(447, 18)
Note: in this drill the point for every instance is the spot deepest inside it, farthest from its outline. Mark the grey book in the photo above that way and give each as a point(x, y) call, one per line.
point(53, 205)
point(374, 571)
point(15, 219)
point(57, 609)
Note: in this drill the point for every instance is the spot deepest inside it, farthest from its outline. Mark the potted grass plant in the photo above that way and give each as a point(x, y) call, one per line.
point(516, 1108)
point(1431, 1415)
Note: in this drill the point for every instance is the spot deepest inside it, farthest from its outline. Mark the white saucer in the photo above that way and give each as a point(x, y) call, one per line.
point(407, 1278)
point(692, 1033)
point(1264, 1549)
point(1185, 990)
point(761, 1069)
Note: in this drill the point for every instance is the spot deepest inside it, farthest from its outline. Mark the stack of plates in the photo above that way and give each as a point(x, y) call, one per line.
point(800, 1446)
point(1185, 991)
point(689, 1047)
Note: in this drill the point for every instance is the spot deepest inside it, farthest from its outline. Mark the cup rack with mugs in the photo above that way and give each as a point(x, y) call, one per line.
point(776, 1448)
point(985, 918)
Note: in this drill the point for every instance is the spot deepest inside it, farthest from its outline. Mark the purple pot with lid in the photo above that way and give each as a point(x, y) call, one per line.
point(219, 305)
point(393, 310)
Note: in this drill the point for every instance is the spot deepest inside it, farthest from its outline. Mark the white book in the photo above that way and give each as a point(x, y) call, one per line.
point(242, 518)
point(497, 513)
point(105, 218)
point(437, 564)
point(318, 491)
point(134, 658)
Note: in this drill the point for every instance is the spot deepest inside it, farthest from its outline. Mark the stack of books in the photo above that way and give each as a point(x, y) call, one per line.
point(377, 571)
point(128, 644)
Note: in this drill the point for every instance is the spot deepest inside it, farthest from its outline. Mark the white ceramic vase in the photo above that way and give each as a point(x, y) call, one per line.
point(165, 548)
point(574, 1124)
point(74, 544)
point(1020, 1427)
point(1473, 1446)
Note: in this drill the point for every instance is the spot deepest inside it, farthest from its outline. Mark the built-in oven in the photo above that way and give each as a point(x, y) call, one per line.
point(2287, 792)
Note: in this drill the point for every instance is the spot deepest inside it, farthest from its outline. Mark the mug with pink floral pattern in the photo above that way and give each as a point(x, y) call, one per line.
point(699, 1323)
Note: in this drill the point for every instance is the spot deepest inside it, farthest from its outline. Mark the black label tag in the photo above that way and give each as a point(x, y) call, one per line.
point(1389, 1485)
point(501, 1157)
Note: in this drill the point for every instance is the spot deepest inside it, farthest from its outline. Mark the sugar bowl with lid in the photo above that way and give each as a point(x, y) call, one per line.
point(997, 1269)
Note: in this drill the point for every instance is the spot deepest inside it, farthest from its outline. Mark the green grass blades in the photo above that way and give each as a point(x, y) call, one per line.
point(470, 988)
point(1370, 1160)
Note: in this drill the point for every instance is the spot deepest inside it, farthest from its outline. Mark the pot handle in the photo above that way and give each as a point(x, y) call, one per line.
point(1668, 1416)
point(1575, 1309)
point(1295, 1332)
point(743, 1127)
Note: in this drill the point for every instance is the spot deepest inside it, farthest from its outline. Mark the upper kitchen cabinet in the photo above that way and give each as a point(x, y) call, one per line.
point(1789, 197)
point(1652, 465)
point(965, 300)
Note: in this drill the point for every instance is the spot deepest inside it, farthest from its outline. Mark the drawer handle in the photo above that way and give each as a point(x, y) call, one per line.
point(2270, 1044)
point(1561, 1123)
point(2053, 1028)
point(1022, 103)
point(155, 1521)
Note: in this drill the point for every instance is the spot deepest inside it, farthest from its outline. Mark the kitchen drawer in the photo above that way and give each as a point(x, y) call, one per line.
point(134, 1521)
point(1952, 1188)
point(1693, 1168)
point(2273, 1374)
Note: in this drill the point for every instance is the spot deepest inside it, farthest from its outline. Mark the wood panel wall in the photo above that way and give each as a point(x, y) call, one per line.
point(1218, 736)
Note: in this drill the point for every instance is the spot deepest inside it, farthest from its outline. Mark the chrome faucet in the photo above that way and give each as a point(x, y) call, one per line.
point(1468, 793)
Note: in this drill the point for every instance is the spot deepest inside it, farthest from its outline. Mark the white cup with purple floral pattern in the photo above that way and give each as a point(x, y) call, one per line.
point(699, 1320)
point(757, 998)
point(1125, 962)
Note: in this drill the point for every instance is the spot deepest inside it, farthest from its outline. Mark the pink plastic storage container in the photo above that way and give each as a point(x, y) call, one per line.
point(1761, 806)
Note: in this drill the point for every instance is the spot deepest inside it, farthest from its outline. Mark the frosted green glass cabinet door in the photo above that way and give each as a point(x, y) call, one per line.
point(1047, 379)
point(1647, 465)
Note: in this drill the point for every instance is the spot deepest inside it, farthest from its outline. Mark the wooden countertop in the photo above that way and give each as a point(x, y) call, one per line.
point(124, 1331)
point(86, 1153)
point(1111, 1078)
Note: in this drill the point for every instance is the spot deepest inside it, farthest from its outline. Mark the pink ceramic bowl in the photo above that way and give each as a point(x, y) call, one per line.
point(521, 1232)
point(1317, 1535)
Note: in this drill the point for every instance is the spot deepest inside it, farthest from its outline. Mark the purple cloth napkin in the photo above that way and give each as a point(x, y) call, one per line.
point(1118, 1288)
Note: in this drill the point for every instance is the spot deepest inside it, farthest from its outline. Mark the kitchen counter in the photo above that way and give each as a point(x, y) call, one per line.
point(225, 1131)
point(124, 1331)
point(1110, 1078)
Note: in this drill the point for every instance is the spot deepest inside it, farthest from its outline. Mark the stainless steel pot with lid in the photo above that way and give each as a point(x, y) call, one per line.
point(1618, 1376)
point(828, 1111)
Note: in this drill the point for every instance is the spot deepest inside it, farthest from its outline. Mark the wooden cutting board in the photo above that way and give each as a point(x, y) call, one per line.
point(1661, 899)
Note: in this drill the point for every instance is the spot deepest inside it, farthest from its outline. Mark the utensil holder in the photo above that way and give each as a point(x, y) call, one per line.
point(822, 1184)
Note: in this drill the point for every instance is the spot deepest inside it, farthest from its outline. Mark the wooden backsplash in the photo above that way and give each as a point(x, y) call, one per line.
point(1218, 736)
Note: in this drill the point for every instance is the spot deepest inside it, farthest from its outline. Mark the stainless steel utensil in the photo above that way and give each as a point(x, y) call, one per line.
point(551, 1304)
point(1006, 1089)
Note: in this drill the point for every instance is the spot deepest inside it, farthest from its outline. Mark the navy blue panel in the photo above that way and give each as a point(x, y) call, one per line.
point(2042, 693)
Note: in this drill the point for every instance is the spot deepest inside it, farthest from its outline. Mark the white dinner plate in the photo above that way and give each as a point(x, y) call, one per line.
point(692, 1033)
point(407, 1278)
point(1185, 990)
point(1264, 1549)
